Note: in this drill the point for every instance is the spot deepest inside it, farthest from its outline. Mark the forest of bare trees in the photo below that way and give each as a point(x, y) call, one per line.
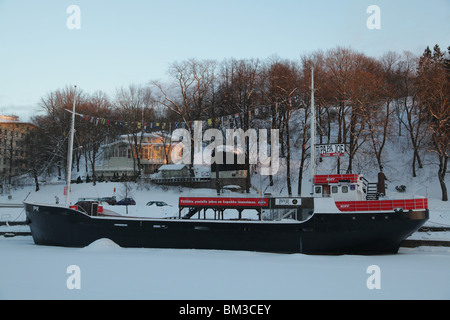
point(360, 101)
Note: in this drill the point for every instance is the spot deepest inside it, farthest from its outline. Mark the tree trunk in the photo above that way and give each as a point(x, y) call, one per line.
point(247, 154)
point(94, 176)
point(300, 170)
point(288, 157)
point(36, 181)
point(274, 126)
point(443, 161)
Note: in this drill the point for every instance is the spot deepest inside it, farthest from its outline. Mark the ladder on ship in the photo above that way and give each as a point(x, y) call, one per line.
point(371, 189)
point(191, 213)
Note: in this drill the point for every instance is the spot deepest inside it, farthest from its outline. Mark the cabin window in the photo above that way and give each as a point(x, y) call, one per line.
point(344, 189)
point(334, 189)
point(318, 190)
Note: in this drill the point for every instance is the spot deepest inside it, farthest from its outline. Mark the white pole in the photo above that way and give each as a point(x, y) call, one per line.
point(70, 152)
point(313, 133)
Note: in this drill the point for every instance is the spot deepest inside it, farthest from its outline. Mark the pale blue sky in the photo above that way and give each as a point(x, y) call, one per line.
point(126, 42)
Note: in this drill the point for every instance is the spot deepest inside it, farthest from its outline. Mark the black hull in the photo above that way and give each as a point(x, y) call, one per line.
point(346, 233)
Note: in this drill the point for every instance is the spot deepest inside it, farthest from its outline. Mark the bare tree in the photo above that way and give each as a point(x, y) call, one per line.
point(55, 105)
point(189, 96)
point(282, 91)
point(341, 70)
point(239, 91)
point(316, 61)
point(434, 92)
point(134, 105)
point(356, 89)
point(379, 120)
point(91, 134)
point(408, 108)
point(35, 145)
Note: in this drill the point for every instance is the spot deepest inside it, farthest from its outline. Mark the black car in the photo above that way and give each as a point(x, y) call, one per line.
point(157, 203)
point(126, 202)
point(109, 200)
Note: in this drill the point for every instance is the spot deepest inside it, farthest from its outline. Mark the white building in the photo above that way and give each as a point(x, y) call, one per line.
point(120, 157)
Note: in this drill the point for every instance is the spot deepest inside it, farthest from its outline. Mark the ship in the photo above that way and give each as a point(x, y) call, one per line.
point(344, 214)
point(309, 225)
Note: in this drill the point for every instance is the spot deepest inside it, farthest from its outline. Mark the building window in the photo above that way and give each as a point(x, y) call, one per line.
point(106, 153)
point(144, 153)
point(156, 153)
point(122, 151)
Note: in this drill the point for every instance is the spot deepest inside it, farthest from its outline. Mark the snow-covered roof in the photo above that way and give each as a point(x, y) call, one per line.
point(9, 119)
point(12, 120)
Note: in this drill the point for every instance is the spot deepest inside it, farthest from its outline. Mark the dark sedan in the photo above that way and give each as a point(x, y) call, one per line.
point(126, 202)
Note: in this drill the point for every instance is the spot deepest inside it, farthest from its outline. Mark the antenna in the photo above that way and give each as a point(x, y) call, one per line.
point(70, 151)
point(313, 133)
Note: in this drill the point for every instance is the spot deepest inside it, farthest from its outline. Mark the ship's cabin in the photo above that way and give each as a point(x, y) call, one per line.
point(345, 187)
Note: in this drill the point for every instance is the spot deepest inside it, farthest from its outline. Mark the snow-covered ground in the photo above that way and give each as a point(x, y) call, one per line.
point(106, 271)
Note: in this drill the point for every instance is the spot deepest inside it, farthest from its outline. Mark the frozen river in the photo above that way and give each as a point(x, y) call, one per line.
point(105, 271)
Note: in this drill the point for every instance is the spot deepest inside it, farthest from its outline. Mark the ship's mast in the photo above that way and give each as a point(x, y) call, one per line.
point(313, 133)
point(70, 151)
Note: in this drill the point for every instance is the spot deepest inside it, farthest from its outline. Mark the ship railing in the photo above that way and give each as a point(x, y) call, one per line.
point(180, 179)
point(383, 205)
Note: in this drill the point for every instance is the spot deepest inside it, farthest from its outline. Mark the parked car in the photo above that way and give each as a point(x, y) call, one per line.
point(109, 200)
point(157, 203)
point(126, 202)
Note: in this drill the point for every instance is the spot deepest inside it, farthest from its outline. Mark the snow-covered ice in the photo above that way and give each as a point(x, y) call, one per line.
point(107, 271)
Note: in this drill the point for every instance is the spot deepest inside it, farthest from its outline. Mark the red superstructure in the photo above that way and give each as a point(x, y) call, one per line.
point(382, 205)
point(353, 193)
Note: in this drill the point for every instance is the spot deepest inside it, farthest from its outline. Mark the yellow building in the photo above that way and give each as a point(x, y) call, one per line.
point(120, 157)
